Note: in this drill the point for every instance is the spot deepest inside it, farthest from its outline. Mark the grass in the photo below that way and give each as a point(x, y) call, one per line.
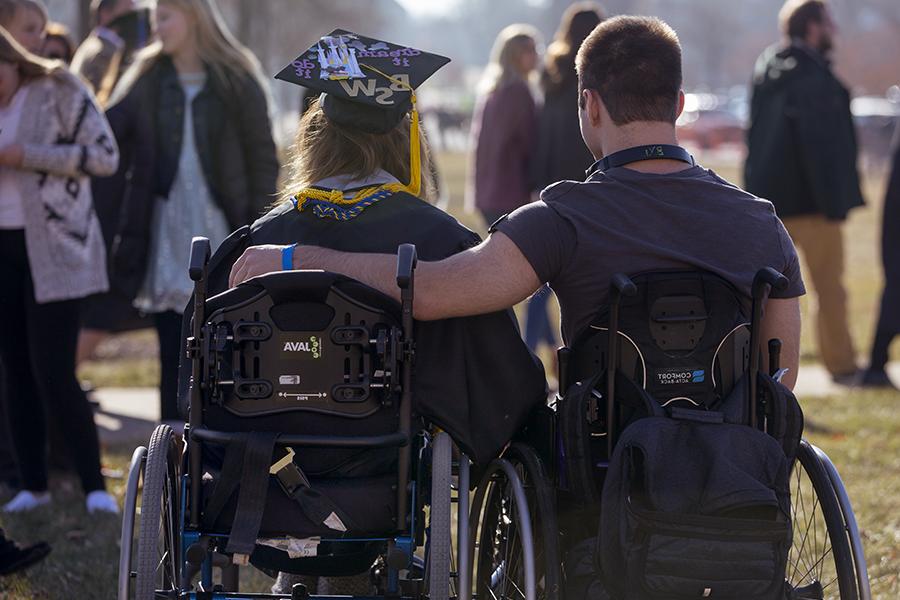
point(859, 432)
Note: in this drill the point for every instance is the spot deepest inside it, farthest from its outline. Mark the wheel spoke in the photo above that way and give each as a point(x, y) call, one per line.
point(816, 564)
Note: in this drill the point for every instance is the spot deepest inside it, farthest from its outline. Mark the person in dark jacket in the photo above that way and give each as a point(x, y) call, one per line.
point(191, 117)
point(802, 157)
point(889, 317)
point(561, 153)
point(504, 127)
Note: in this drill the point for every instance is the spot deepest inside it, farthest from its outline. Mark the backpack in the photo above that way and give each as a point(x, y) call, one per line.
point(694, 503)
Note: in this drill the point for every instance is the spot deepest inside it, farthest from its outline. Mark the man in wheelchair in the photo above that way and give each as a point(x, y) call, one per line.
point(644, 208)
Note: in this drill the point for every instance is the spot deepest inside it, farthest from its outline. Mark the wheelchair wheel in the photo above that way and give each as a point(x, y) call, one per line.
point(157, 561)
point(129, 511)
point(518, 551)
point(541, 498)
point(439, 543)
point(820, 562)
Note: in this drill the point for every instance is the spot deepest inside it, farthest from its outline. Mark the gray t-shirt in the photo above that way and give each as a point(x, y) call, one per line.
point(581, 233)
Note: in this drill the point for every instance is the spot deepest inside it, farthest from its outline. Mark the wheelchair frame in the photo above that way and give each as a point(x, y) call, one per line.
point(835, 534)
point(174, 482)
point(511, 524)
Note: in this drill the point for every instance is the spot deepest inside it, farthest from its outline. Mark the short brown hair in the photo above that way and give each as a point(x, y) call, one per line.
point(796, 15)
point(634, 63)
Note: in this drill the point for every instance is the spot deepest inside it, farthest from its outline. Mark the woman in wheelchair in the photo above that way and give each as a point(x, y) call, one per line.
point(360, 179)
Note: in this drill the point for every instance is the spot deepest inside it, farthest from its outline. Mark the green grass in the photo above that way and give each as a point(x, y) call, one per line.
point(858, 431)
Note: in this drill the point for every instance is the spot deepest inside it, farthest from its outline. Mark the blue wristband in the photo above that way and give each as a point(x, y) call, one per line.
point(287, 258)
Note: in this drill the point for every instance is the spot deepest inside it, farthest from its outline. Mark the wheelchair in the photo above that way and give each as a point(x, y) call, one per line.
point(302, 453)
point(646, 339)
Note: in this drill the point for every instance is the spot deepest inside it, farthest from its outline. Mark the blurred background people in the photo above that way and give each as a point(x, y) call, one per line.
point(504, 126)
point(58, 44)
point(100, 55)
point(121, 29)
point(52, 137)
point(802, 157)
point(561, 153)
point(191, 117)
point(888, 325)
point(26, 21)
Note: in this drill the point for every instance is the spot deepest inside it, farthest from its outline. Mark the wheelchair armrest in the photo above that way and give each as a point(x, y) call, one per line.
point(200, 252)
point(407, 259)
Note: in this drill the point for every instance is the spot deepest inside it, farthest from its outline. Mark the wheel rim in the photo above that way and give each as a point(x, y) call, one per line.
point(501, 567)
point(818, 559)
point(167, 560)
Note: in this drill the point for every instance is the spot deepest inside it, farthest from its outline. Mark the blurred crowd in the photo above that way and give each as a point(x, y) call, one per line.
point(116, 151)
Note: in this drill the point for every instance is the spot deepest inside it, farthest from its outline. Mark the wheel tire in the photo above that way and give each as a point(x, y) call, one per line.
point(158, 562)
point(542, 500)
point(129, 511)
point(820, 557)
point(439, 544)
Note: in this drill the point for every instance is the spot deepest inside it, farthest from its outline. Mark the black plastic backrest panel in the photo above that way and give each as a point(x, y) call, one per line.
point(301, 342)
point(683, 338)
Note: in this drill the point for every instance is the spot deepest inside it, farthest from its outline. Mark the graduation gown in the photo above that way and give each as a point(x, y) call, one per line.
point(474, 377)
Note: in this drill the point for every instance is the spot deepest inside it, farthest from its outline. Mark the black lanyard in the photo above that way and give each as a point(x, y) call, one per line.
point(630, 155)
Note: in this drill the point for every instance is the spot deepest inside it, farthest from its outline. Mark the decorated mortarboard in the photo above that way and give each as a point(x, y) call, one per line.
point(368, 84)
point(365, 84)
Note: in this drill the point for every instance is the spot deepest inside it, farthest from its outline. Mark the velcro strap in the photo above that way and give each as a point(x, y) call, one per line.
point(320, 509)
point(252, 495)
point(698, 416)
point(315, 505)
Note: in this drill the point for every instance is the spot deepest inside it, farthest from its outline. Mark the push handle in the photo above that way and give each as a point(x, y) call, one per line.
point(774, 356)
point(620, 285)
point(407, 259)
point(765, 280)
point(200, 253)
point(406, 268)
point(768, 278)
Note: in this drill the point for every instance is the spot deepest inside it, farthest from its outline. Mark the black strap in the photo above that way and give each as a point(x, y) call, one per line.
point(227, 482)
point(639, 153)
point(252, 494)
point(315, 505)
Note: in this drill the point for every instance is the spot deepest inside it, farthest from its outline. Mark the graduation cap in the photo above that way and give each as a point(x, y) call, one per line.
point(366, 84)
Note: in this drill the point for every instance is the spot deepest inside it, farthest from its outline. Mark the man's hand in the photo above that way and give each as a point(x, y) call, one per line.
point(12, 156)
point(256, 260)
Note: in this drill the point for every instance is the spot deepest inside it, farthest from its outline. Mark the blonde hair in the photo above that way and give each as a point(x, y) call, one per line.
point(229, 60)
point(323, 149)
point(9, 8)
point(31, 66)
point(511, 42)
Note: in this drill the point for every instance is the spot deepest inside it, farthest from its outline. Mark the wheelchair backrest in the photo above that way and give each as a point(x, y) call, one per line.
point(683, 337)
point(301, 342)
